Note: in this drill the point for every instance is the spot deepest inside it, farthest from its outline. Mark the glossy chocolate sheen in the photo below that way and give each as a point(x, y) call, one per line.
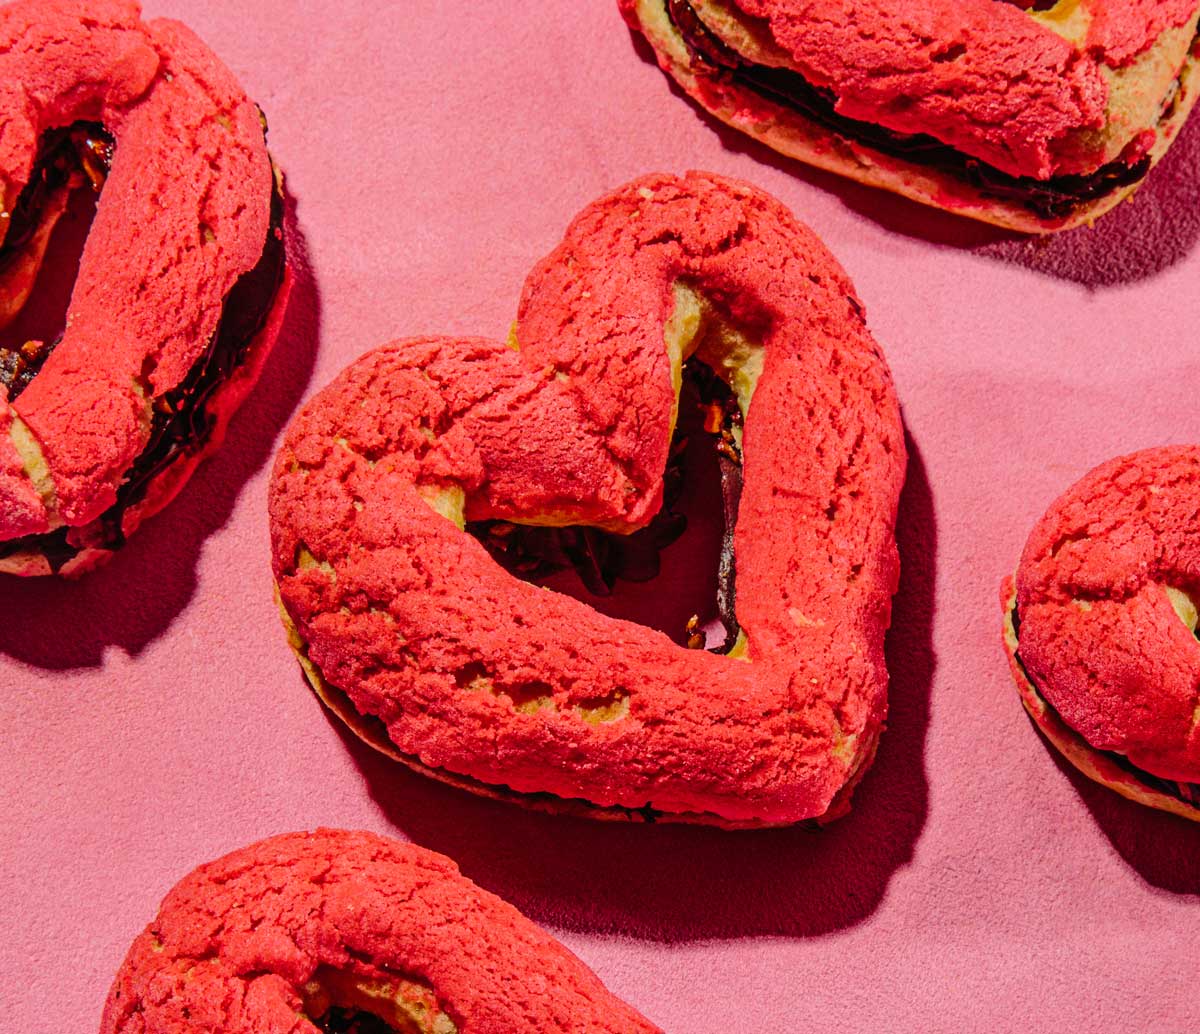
point(348, 1021)
point(18, 366)
point(66, 156)
point(181, 418)
point(84, 148)
point(1054, 198)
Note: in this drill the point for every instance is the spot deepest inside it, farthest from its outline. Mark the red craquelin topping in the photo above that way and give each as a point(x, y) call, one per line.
point(980, 75)
point(183, 215)
point(482, 675)
point(1122, 29)
point(1098, 633)
point(263, 939)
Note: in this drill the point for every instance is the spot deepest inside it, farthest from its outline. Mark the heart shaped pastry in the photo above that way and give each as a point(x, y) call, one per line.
point(1100, 627)
point(350, 933)
point(181, 286)
point(436, 654)
point(1037, 116)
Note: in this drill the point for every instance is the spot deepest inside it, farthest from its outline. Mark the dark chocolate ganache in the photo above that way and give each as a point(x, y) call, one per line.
point(1050, 199)
point(1188, 793)
point(82, 149)
point(79, 154)
point(181, 422)
point(351, 1021)
point(601, 558)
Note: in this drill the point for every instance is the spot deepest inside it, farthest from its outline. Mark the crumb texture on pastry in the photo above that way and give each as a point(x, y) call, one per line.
point(312, 932)
point(978, 74)
point(1120, 30)
point(183, 216)
point(1036, 119)
point(483, 675)
point(1105, 610)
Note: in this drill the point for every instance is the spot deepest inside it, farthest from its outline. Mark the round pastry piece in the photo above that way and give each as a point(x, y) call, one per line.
point(1100, 627)
point(350, 933)
point(181, 286)
point(1034, 116)
point(412, 632)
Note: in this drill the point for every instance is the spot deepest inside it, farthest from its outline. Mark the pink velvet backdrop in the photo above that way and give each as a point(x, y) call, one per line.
point(155, 718)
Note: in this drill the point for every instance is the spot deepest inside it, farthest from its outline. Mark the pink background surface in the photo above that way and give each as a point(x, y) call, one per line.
point(154, 717)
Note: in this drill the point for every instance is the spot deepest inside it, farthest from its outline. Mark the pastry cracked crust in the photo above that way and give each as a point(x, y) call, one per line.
point(305, 932)
point(150, 300)
point(373, 732)
point(1095, 764)
point(410, 631)
point(1098, 85)
point(1100, 623)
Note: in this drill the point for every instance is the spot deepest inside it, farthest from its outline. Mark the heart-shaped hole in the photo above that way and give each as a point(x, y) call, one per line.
point(41, 250)
point(1042, 5)
point(677, 575)
point(717, 363)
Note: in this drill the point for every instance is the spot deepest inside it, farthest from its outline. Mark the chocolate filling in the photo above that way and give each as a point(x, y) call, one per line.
point(83, 149)
point(1050, 199)
point(66, 159)
point(181, 422)
point(351, 1021)
point(601, 558)
point(18, 366)
point(1188, 793)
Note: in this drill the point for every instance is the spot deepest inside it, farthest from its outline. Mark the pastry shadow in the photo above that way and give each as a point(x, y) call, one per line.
point(1162, 848)
point(1139, 239)
point(128, 603)
point(672, 883)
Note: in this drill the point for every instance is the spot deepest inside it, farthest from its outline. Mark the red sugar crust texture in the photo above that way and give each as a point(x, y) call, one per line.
point(1120, 30)
point(1100, 638)
point(24, 510)
point(263, 940)
point(184, 213)
point(1031, 94)
point(484, 679)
